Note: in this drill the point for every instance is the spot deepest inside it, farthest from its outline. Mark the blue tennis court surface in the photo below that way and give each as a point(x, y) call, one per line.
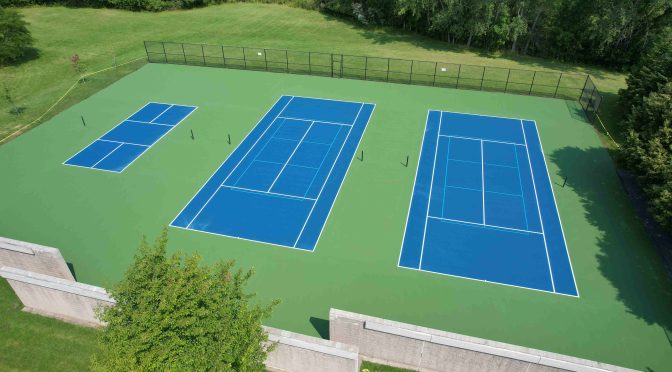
point(279, 184)
point(483, 206)
point(119, 147)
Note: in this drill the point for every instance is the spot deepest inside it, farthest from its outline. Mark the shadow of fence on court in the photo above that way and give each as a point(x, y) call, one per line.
point(577, 87)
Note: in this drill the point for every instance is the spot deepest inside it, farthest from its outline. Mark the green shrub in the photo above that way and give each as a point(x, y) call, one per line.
point(15, 39)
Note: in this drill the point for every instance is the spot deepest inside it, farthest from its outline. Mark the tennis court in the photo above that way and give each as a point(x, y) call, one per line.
point(122, 145)
point(483, 206)
point(280, 183)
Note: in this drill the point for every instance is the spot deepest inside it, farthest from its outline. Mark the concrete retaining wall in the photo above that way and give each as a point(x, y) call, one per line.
point(55, 297)
point(33, 257)
point(425, 349)
point(297, 352)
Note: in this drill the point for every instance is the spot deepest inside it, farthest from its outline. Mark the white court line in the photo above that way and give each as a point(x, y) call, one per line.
point(536, 197)
point(100, 169)
point(484, 116)
point(557, 210)
point(124, 143)
point(326, 180)
point(314, 121)
point(431, 185)
point(148, 123)
point(336, 100)
point(241, 160)
point(227, 158)
point(488, 281)
point(265, 192)
point(162, 112)
point(483, 179)
point(110, 153)
point(245, 239)
point(410, 204)
point(483, 140)
point(290, 157)
point(346, 171)
point(484, 225)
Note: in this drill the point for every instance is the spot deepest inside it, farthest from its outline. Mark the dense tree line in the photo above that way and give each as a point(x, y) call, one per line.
point(648, 124)
point(608, 32)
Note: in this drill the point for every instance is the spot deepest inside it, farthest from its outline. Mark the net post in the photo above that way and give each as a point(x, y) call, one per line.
point(265, 59)
point(506, 86)
point(557, 86)
point(203, 54)
point(184, 54)
point(482, 77)
point(223, 56)
point(410, 75)
point(165, 55)
point(436, 64)
point(534, 76)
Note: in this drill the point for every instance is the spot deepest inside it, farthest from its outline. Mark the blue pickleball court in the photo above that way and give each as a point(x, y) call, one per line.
point(483, 206)
point(279, 184)
point(115, 150)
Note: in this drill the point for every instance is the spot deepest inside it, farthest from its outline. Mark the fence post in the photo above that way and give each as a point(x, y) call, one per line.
point(341, 76)
point(459, 71)
point(146, 51)
point(165, 55)
point(310, 67)
point(286, 61)
point(366, 66)
point(410, 76)
point(583, 90)
point(506, 86)
point(534, 76)
point(184, 54)
point(244, 58)
point(482, 77)
point(265, 60)
point(203, 54)
point(387, 76)
point(434, 80)
point(332, 65)
point(557, 86)
point(223, 56)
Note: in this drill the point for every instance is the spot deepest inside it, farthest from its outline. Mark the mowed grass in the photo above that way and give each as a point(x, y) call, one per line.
point(32, 342)
point(102, 36)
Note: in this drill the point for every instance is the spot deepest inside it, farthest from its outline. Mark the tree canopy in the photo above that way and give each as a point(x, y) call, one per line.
point(174, 313)
point(15, 38)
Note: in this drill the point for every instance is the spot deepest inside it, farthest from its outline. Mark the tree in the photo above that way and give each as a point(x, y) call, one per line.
point(15, 38)
point(173, 313)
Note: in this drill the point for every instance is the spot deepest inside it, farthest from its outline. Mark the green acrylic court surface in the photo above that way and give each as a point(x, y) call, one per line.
point(96, 218)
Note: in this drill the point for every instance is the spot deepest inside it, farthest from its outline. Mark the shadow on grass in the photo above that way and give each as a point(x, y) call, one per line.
point(626, 257)
point(29, 54)
point(321, 326)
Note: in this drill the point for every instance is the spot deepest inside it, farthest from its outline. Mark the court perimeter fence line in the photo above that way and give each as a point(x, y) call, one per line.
point(577, 87)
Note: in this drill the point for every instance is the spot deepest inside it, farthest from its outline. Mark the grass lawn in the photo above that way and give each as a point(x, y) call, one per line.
point(32, 342)
point(97, 218)
point(118, 35)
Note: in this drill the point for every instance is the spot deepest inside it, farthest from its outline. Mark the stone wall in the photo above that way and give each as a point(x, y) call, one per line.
point(425, 349)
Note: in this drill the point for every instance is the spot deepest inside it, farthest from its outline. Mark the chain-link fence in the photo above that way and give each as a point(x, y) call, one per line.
point(528, 82)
